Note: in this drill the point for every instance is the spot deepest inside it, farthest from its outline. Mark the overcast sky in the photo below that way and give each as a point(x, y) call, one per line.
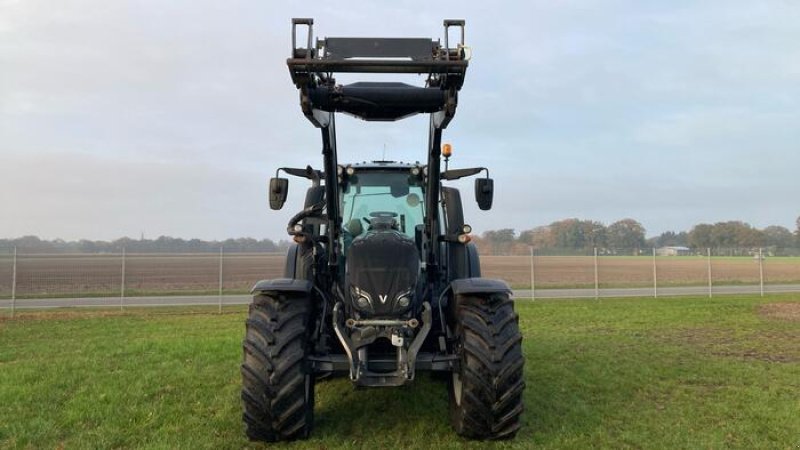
point(167, 118)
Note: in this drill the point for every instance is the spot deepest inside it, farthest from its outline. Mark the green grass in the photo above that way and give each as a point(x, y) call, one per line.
point(615, 373)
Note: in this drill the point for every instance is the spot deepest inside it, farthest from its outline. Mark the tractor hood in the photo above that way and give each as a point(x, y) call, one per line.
point(382, 272)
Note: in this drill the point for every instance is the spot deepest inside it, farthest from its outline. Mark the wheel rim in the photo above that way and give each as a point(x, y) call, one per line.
point(457, 388)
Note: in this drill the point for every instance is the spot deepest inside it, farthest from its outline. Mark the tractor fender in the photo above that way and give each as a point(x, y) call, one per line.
point(290, 269)
point(479, 286)
point(282, 285)
point(473, 260)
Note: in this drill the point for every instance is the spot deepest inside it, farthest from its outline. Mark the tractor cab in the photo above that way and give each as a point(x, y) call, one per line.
point(381, 196)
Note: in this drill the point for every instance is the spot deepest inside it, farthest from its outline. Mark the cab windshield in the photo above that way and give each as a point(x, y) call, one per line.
point(392, 198)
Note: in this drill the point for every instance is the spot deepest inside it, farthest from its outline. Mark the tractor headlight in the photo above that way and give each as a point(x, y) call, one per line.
point(361, 298)
point(362, 302)
point(404, 301)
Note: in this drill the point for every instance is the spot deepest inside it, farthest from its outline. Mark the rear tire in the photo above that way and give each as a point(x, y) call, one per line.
point(486, 391)
point(277, 385)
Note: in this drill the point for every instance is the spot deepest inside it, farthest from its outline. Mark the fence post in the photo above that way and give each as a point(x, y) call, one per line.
point(122, 284)
point(221, 256)
point(14, 284)
point(708, 250)
point(655, 275)
point(596, 278)
point(533, 279)
point(761, 270)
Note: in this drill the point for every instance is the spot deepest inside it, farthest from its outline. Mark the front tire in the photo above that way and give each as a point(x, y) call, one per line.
point(277, 385)
point(486, 391)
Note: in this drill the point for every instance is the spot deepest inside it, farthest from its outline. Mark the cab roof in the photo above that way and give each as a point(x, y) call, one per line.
point(386, 165)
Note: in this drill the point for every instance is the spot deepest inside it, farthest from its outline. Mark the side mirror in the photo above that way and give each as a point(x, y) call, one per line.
point(278, 188)
point(484, 193)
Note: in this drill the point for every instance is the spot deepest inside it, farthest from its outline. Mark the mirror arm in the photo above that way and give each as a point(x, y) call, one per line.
point(309, 173)
point(457, 174)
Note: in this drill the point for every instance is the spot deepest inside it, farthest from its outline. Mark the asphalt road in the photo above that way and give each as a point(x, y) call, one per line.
point(106, 302)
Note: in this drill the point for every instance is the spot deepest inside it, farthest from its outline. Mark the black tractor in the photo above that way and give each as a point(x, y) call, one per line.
point(382, 280)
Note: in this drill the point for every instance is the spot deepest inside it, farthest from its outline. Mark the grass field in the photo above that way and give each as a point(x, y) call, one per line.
point(635, 373)
point(189, 274)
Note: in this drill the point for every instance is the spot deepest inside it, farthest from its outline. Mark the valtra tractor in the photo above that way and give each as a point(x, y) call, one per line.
point(382, 280)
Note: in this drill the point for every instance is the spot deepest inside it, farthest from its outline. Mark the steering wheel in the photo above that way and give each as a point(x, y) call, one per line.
point(383, 214)
point(380, 215)
point(381, 219)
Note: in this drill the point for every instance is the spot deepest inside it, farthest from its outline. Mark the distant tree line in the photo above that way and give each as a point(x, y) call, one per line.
point(164, 244)
point(583, 236)
point(571, 235)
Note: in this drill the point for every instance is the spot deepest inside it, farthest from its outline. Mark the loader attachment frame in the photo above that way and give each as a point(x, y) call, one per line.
point(312, 67)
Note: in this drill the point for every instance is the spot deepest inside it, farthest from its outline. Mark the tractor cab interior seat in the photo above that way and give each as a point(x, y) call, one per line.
point(354, 227)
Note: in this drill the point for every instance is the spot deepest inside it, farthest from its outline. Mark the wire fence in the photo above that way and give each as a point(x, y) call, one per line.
point(607, 272)
point(60, 275)
point(540, 273)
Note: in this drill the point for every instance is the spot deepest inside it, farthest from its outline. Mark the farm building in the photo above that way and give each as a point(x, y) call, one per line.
point(673, 251)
